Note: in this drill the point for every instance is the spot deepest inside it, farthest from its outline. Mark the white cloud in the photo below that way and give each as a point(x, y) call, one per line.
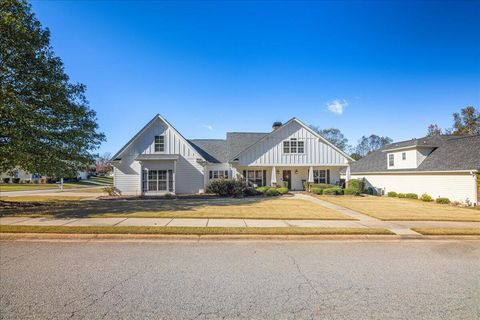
point(208, 126)
point(337, 106)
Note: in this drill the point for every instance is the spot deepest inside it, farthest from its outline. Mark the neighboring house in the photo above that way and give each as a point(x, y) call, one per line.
point(442, 166)
point(158, 159)
point(25, 176)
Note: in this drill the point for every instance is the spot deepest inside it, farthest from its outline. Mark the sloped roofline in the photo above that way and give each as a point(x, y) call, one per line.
point(150, 123)
point(303, 125)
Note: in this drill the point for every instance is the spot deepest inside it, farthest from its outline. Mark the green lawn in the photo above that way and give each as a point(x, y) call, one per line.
point(252, 207)
point(448, 231)
point(92, 182)
point(192, 230)
point(386, 208)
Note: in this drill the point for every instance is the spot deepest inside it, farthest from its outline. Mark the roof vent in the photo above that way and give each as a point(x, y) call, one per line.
point(276, 125)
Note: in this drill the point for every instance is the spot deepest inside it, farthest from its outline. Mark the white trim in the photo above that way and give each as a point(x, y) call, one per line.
point(307, 128)
point(150, 123)
point(409, 147)
point(413, 172)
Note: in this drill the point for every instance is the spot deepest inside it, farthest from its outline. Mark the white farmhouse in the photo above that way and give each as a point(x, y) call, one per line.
point(159, 160)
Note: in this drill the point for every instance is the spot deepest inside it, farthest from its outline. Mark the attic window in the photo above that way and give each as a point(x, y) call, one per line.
point(391, 160)
point(159, 143)
point(293, 146)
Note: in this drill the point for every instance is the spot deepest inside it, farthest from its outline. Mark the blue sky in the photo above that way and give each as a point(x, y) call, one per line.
point(392, 68)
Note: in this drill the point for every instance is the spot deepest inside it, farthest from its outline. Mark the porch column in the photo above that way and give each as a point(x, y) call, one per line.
point(347, 174)
point(174, 172)
point(273, 179)
point(310, 175)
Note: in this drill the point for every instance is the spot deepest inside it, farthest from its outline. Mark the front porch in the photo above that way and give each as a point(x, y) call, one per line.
point(158, 174)
point(293, 177)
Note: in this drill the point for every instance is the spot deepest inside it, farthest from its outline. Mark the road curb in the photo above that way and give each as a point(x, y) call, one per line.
point(143, 237)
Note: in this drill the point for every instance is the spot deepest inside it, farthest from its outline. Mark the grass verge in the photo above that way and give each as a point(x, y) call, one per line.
point(193, 230)
point(448, 231)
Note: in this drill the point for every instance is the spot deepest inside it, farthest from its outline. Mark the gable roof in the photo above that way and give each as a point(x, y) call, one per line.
point(139, 133)
point(219, 150)
point(303, 125)
point(450, 153)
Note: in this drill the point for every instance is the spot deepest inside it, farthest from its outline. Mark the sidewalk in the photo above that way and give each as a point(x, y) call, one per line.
point(398, 227)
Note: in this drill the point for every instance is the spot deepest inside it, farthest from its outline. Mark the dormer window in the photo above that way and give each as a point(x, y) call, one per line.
point(404, 156)
point(293, 146)
point(391, 160)
point(159, 143)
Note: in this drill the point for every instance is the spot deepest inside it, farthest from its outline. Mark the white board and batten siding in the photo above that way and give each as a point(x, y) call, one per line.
point(269, 152)
point(189, 173)
point(455, 186)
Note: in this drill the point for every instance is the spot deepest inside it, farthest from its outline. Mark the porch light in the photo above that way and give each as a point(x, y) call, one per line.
point(296, 171)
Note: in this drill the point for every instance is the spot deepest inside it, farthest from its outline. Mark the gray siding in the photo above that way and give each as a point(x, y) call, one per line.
point(270, 151)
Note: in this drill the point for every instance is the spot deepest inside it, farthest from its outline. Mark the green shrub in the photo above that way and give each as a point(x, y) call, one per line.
point(110, 190)
point(250, 191)
point(442, 200)
point(356, 184)
point(333, 191)
point(16, 180)
point(169, 195)
point(271, 192)
point(402, 195)
point(6, 180)
point(282, 190)
point(426, 197)
point(411, 196)
point(351, 191)
point(322, 185)
point(228, 188)
point(392, 194)
point(262, 189)
point(306, 186)
point(316, 190)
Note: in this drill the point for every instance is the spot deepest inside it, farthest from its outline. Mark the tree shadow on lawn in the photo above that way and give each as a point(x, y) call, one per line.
point(92, 208)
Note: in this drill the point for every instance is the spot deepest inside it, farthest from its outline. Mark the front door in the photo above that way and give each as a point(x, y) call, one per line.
point(287, 178)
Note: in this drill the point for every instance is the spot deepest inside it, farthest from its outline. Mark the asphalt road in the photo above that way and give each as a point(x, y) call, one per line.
point(240, 280)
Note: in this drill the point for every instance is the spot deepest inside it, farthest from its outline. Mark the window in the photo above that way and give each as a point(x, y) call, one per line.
point(404, 156)
point(156, 180)
point(301, 148)
point(258, 178)
point(321, 176)
point(286, 146)
point(293, 146)
point(218, 174)
point(159, 143)
point(391, 160)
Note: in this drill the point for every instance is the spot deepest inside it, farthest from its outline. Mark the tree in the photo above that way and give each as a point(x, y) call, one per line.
point(103, 165)
point(467, 122)
point(335, 136)
point(46, 124)
point(370, 144)
point(433, 130)
point(355, 156)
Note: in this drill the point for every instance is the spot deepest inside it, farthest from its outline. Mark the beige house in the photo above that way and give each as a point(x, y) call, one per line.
point(158, 159)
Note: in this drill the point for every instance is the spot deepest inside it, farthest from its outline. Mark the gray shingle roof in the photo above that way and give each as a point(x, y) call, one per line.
point(450, 153)
point(219, 150)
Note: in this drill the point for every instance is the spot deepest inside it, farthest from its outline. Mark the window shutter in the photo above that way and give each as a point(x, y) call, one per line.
point(245, 175)
point(264, 177)
point(328, 176)
point(210, 174)
point(226, 174)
